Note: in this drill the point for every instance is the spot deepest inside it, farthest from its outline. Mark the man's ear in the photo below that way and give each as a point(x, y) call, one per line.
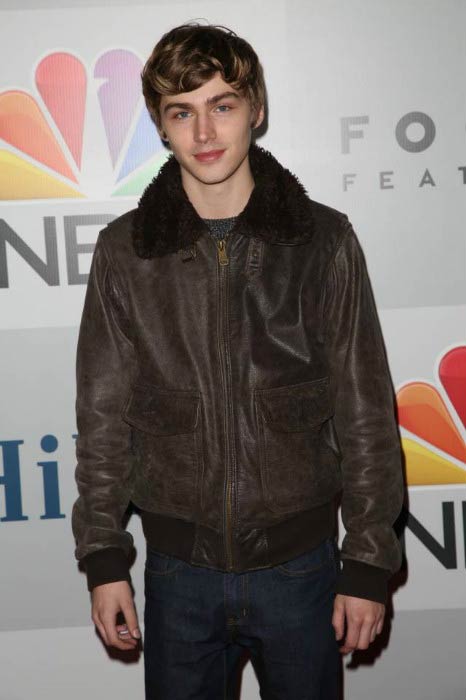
point(258, 117)
point(161, 132)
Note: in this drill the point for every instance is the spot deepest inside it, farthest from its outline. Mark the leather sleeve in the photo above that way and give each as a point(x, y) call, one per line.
point(364, 423)
point(104, 365)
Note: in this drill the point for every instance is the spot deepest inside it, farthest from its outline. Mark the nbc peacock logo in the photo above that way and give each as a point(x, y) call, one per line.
point(76, 138)
point(433, 419)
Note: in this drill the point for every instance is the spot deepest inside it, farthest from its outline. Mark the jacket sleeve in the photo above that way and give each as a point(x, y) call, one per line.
point(105, 361)
point(364, 424)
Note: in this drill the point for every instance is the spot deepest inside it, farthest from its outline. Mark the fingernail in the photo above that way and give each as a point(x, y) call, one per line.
point(137, 634)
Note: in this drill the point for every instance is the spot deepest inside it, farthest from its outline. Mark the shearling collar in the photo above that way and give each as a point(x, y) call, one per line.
point(278, 210)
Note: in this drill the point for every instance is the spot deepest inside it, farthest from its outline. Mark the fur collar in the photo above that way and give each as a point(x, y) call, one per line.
point(278, 210)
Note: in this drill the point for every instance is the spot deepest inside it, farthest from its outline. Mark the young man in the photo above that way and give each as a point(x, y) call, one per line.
point(231, 381)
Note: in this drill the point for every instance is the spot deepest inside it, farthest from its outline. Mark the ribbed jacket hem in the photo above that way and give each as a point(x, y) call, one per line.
point(285, 540)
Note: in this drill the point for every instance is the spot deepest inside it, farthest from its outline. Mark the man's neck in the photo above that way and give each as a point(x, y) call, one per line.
point(222, 199)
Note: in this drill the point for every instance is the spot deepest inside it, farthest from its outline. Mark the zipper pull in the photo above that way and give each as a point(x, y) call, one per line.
point(222, 254)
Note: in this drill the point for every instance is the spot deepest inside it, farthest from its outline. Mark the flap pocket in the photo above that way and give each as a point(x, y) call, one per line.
point(296, 407)
point(162, 412)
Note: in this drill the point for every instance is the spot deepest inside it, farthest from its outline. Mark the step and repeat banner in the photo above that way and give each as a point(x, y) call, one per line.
point(367, 106)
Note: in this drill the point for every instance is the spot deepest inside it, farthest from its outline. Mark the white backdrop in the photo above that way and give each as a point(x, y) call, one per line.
point(367, 105)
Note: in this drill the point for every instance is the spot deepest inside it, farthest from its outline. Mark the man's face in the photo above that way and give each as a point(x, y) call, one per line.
point(193, 126)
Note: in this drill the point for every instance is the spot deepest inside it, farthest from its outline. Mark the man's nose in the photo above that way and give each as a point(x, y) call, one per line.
point(204, 128)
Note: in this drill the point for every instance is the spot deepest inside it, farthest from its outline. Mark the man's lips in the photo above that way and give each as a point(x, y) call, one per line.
point(209, 155)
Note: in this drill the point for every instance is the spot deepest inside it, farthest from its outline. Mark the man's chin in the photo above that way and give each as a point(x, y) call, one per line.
point(215, 172)
point(211, 174)
point(213, 179)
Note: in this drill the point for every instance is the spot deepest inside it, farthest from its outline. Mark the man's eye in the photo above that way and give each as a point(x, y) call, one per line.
point(226, 106)
point(179, 113)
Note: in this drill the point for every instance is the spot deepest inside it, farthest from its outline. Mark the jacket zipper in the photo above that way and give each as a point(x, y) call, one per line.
point(223, 262)
point(222, 253)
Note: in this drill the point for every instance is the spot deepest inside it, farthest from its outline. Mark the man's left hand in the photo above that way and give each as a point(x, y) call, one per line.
point(364, 620)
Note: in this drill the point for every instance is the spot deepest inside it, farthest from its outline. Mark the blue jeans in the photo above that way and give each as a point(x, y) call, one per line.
point(199, 622)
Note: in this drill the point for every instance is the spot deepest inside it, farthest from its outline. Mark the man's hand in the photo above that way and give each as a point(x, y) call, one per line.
point(107, 601)
point(364, 619)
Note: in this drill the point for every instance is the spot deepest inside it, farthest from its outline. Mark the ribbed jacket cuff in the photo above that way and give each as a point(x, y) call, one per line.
point(106, 566)
point(363, 580)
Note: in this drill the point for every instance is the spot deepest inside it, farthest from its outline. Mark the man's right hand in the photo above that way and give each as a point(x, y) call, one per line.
point(108, 600)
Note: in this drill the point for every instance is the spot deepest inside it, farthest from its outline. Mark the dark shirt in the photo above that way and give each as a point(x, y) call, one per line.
point(220, 227)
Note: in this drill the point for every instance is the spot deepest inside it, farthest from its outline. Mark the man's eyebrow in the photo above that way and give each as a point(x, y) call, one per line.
point(209, 101)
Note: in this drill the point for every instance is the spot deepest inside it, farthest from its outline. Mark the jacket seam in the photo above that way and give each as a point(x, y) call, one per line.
point(347, 226)
point(363, 559)
point(114, 281)
point(116, 276)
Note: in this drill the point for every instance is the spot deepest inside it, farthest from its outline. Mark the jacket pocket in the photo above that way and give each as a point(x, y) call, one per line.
point(297, 468)
point(165, 444)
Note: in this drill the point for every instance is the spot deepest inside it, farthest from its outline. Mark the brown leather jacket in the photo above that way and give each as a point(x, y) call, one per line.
point(232, 391)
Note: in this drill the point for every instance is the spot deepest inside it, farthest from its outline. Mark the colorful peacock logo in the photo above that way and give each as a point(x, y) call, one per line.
point(45, 134)
point(434, 420)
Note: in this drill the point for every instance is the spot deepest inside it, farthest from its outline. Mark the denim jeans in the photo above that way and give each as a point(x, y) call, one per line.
point(199, 622)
